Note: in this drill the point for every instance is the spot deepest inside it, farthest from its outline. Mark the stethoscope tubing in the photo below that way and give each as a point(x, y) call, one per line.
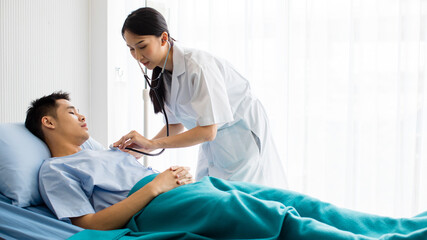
point(148, 80)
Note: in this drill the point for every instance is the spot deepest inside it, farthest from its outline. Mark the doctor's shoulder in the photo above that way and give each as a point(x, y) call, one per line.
point(199, 60)
point(195, 56)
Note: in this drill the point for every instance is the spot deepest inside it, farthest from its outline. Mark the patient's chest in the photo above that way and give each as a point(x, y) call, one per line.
point(105, 176)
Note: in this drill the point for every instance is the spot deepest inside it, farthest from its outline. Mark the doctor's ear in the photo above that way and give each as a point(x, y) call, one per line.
point(165, 38)
point(48, 122)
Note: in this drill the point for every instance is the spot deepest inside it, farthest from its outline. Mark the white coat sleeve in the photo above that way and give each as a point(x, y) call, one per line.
point(210, 99)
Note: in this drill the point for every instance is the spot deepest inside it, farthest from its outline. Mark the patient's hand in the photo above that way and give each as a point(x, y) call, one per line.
point(117, 215)
point(171, 178)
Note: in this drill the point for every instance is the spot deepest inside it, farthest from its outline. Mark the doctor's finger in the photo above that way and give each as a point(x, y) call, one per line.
point(135, 142)
point(122, 140)
point(129, 139)
point(116, 144)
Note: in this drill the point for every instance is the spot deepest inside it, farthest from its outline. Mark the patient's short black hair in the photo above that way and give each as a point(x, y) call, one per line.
point(44, 106)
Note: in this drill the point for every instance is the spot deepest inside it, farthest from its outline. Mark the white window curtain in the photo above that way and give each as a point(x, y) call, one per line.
point(356, 132)
point(343, 82)
point(356, 85)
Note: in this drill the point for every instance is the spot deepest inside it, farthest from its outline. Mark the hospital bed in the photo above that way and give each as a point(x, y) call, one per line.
point(33, 222)
point(23, 215)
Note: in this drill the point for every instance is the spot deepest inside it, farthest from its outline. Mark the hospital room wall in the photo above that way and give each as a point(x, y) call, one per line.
point(44, 48)
point(51, 45)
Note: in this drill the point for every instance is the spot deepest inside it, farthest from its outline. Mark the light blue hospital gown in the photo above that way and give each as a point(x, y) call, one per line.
point(88, 181)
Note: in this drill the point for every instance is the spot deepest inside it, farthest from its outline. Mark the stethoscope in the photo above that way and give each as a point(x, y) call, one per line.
point(148, 80)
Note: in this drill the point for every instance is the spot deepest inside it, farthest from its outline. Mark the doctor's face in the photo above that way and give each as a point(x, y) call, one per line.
point(146, 49)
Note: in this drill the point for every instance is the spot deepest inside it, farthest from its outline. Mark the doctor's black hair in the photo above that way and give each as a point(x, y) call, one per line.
point(148, 21)
point(44, 106)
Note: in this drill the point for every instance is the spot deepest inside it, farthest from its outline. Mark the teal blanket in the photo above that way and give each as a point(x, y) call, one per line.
point(218, 209)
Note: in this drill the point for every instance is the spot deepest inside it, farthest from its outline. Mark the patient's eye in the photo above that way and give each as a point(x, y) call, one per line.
point(142, 47)
point(71, 113)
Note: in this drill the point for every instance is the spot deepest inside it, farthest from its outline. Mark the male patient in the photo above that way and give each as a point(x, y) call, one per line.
point(90, 187)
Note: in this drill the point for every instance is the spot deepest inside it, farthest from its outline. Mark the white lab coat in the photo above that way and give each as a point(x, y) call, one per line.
point(205, 90)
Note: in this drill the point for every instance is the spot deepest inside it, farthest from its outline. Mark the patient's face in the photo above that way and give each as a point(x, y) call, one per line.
point(69, 122)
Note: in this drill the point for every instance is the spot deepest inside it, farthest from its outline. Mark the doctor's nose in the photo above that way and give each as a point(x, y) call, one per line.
point(139, 57)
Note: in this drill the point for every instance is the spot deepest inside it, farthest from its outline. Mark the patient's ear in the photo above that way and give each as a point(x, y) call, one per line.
point(48, 122)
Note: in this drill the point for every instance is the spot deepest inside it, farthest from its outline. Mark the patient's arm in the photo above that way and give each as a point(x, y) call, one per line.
point(117, 215)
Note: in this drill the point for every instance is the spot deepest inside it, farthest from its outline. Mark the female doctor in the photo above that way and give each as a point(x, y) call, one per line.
point(207, 96)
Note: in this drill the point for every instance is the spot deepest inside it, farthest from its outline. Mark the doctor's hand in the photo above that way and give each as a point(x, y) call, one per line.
point(171, 178)
point(135, 140)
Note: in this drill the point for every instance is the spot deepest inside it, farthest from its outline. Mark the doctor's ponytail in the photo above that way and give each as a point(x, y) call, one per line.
point(148, 21)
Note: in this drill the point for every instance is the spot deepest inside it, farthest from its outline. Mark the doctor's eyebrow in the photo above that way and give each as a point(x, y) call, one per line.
point(136, 43)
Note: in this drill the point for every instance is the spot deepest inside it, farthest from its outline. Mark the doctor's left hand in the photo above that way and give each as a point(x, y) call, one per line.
point(135, 140)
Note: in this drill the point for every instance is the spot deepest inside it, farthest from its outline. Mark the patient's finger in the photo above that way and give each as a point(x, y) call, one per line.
point(185, 181)
point(181, 168)
point(189, 175)
point(173, 168)
point(180, 172)
point(186, 177)
point(177, 173)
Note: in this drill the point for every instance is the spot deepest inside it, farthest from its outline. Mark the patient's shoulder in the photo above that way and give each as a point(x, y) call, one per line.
point(65, 165)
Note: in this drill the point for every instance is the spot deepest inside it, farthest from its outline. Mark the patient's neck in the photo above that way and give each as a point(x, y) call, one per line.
point(61, 148)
